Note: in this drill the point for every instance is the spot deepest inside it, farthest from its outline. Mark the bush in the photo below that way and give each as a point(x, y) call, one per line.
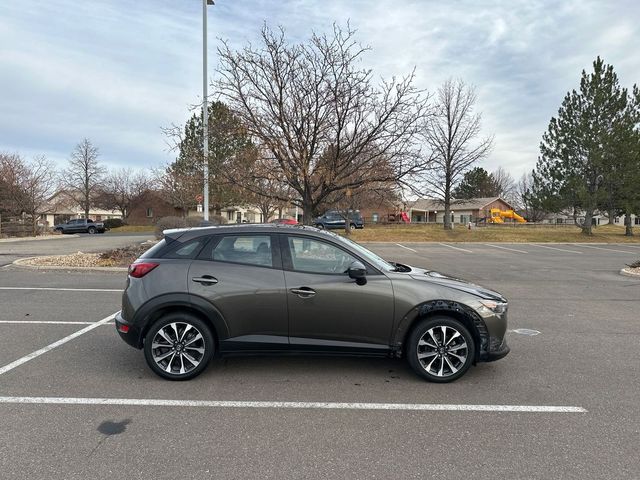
point(114, 223)
point(166, 223)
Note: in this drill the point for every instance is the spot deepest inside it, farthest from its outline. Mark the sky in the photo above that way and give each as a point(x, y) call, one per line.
point(119, 71)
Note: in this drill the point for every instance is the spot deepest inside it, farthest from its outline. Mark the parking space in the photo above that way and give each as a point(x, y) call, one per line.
point(584, 357)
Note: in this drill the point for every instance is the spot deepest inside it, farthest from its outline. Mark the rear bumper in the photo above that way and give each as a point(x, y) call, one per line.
point(132, 334)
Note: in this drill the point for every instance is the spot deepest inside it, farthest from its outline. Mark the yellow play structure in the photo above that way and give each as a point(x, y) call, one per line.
point(497, 216)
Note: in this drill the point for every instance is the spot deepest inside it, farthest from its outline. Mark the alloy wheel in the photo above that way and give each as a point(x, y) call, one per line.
point(177, 348)
point(442, 351)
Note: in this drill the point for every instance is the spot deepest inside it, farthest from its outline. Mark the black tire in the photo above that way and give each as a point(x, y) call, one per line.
point(320, 226)
point(186, 346)
point(59, 230)
point(449, 360)
point(91, 230)
point(352, 226)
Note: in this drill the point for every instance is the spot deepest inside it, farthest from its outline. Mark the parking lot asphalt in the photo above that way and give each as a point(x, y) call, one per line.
point(585, 355)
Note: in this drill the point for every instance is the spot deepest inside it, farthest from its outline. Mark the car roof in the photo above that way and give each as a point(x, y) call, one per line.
point(193, 232)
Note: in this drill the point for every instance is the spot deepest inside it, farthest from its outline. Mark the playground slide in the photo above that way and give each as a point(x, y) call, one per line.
point(513, 215)
point(405, 217)
point(497, 216)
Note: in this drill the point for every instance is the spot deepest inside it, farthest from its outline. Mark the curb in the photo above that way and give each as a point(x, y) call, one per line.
point(628, 273)
point(35, 239)
point(19, 263)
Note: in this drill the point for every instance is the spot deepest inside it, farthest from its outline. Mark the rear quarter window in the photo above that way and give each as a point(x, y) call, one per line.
point(153, 251)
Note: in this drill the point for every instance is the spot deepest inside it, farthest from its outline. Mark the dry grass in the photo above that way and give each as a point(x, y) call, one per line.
point(513, 234)
point(133, 229)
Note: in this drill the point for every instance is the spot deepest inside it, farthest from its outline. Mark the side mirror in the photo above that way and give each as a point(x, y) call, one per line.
point(358, 272)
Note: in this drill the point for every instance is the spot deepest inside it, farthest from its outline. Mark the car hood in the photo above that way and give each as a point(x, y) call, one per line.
point(455, 283)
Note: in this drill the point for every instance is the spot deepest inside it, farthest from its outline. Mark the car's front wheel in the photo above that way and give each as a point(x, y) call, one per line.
point(440, 349)
point(91, 230)
point(320, 226)
point(178, 346)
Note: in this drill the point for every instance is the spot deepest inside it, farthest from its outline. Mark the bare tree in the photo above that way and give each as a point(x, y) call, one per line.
point(121, 187)
point(452, 136)
point(12, 170)
point(83, 176)
point(526, 201)
point(177, 188)
point(505, 185)
point(38, 185)
point(26, 186)
point(318, 114)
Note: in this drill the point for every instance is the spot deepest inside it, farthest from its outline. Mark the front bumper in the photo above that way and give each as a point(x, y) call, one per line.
point(497, 350)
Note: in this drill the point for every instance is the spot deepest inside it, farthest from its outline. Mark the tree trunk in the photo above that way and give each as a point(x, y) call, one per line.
point(447, 212)
point(628, 228)
point(612, 216)
point(586, 226)
point(307, 210)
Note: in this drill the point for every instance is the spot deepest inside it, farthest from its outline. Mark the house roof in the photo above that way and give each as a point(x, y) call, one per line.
point(462, 204)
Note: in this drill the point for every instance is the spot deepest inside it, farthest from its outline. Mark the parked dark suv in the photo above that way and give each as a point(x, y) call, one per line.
point(257, 289)
point(335, 219)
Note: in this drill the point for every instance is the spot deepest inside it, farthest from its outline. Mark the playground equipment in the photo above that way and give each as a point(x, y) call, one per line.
point(498, 215)
point(405, 217)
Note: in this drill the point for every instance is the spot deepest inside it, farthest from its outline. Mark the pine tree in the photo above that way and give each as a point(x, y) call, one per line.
point(575, 161)
point(227, 141)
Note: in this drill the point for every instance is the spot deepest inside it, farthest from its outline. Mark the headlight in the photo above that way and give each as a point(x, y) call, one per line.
point(491, 307)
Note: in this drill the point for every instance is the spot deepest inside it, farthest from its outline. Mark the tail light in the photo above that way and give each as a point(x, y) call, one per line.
point(139, 270)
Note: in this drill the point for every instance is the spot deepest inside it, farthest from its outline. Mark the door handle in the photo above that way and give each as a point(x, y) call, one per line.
point(303, 292)
point(205, 280)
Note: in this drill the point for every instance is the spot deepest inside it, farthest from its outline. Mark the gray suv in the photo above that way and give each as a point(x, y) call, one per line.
point(262, 289)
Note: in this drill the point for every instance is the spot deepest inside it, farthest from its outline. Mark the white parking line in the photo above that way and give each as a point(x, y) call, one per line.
point(46, 322)
point(554, 248)
point(55, 289)
point(505, 248)
point(606, 249)
point(415, 251)
point(62, 341)
point(293, 405)
point(455, 248)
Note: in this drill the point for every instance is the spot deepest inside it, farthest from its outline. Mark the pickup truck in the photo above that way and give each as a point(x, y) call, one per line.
point(80, 225)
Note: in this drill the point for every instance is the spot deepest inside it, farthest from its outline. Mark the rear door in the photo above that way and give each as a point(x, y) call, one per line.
point(327, 309)
point(241, 276)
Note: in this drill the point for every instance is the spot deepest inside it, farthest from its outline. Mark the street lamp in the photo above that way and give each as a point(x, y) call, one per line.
point(205, 108)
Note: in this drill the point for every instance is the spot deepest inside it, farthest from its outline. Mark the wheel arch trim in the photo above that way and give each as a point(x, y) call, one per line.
point(457, 310)
point(170, 302)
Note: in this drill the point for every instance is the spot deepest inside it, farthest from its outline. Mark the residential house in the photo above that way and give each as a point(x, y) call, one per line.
point(61, 207)
point(148, 207)
point(431, 210)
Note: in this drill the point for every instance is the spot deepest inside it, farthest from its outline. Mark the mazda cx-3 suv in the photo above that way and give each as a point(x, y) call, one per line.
point(260, 289)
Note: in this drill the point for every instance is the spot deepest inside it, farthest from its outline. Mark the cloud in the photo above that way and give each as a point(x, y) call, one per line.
point(117, 71)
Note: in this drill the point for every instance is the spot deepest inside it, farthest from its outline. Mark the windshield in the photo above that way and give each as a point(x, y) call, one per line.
point(371, 257)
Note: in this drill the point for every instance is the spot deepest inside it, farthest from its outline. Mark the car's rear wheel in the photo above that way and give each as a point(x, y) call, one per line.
point(352, 226)
point(91, 230)
point(440, 349)
point(178, 346)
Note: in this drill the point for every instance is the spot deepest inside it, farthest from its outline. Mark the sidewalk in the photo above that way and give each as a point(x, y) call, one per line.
point(41, 237)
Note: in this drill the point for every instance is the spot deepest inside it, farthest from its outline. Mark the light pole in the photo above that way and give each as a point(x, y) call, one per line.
point(205, 109)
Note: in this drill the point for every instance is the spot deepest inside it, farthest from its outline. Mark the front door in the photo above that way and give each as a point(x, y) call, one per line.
point(327, 309)
point(241, 276)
